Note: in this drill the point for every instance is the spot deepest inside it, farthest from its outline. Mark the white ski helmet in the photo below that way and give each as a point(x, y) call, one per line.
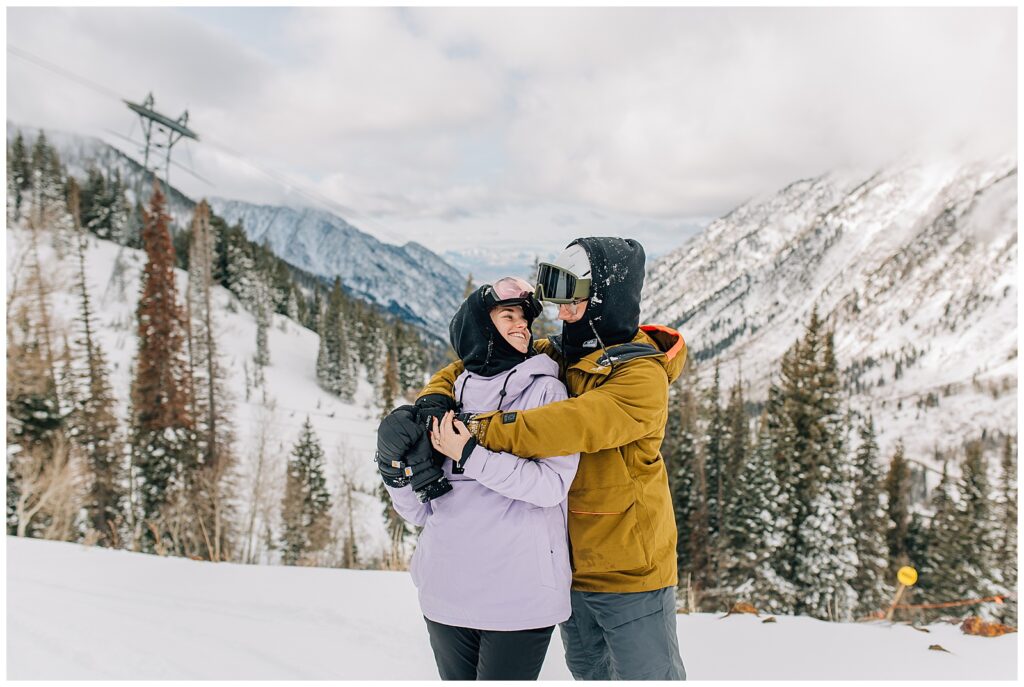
point(567, 278)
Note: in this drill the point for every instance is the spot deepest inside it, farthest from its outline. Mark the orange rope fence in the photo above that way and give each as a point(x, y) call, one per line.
point(964, 602)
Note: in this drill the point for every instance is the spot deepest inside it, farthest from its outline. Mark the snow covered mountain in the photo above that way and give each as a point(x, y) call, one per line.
point(408, 280)
point(914, 266)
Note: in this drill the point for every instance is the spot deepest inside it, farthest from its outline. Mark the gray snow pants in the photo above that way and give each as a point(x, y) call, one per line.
point(623, 636)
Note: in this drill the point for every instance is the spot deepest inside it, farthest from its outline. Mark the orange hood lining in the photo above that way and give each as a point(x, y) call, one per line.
point(679, 344)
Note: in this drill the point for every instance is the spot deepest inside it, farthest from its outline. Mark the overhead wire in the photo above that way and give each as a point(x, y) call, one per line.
point(281, 178)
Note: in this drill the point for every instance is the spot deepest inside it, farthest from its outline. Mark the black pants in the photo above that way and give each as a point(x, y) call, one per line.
point(463, 653)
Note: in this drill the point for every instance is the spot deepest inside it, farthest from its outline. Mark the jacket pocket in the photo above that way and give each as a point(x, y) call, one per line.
point(542, 544)
point(603, 530)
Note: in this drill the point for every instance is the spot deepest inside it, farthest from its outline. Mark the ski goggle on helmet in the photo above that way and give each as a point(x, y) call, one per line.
point(567, 279)
point(513, 291)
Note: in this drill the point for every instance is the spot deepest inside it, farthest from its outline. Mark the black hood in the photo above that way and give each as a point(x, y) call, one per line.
point(478, 343)
point(617, 278)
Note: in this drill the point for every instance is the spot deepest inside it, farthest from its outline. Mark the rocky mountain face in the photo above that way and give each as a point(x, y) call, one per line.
point(409, 280)
point(913, 266)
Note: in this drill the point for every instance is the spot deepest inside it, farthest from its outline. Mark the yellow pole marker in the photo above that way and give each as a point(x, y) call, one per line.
point(907, 577)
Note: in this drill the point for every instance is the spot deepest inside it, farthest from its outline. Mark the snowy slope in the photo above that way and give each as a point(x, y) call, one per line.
point(914, 265)
point(408, 280)
point(80, 613)
point(347, 432)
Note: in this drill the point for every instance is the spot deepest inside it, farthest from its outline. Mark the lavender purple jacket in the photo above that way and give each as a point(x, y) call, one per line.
point(494, 552)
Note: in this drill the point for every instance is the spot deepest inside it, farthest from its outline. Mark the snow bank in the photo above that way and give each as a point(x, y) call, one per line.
point(86, 613)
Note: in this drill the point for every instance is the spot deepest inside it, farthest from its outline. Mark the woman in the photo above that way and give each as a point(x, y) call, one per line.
point(492, 563)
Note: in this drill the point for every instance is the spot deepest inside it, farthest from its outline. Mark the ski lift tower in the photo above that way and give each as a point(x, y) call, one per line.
point(169, 130)
point(160, 131)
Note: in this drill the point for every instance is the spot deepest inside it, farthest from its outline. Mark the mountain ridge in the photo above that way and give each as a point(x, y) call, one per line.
point(913, 265)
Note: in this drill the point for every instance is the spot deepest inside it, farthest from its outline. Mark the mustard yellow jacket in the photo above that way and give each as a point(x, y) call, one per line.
point(622, 530)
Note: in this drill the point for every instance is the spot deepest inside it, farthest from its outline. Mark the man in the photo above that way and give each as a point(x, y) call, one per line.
point(622, 529)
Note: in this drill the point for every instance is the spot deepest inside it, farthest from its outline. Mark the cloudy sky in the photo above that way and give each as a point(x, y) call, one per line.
point(511, 128)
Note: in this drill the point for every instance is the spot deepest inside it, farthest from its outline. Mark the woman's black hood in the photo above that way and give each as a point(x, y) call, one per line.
point(478, 343)
point(613, 312)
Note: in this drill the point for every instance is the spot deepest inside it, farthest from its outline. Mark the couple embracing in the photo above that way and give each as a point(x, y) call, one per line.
point(551, 503)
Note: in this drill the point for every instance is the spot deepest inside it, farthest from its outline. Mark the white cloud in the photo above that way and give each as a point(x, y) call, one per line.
point(435, 118)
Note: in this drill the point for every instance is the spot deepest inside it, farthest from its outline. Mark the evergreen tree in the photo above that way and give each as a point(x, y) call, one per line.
point(777, 437)
point(827, 566)
point(389, 389)
point(240, 267)
point(94, 419)
point(105, 210)
point(412, 359)
point(208, 491)
point(714, 479)
point(161, 424)
point(306, 507)
point(750, 531)
point(261, 359)
point(679, 450)
point(19, 178)
point(47, 180)
point(1006, 505)
point(897, 485)
point(335, 366)
point(938, 565)
point(976, 539)
point(868, 517)
point(737, 439)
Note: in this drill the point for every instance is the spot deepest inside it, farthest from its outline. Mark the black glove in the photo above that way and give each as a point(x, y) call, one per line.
point(435, 406)
point(398, 432)
point(404, 455)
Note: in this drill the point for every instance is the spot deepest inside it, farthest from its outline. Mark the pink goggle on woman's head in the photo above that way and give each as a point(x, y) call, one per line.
point(512, 287)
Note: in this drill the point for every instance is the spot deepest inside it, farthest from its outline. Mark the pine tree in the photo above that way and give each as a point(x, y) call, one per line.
point(869, 521)
point(412, 361)
point(736, 447)
point(240, 267)
point(1006, 505)
point(777, 437)
point(751, 533)
point(976, 538)
point(208, 491)
point(679, 450)
point(306, 507)
point(827, 566)
point(937, 567)
point(334, 364)
point(261, 359)
point(897, 485)
point(714, 479)
point(19, 178)
point(162, 429)
point(389, 389)
point(94, 419)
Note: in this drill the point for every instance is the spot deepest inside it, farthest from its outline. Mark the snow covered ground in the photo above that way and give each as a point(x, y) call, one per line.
point(86, 613)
